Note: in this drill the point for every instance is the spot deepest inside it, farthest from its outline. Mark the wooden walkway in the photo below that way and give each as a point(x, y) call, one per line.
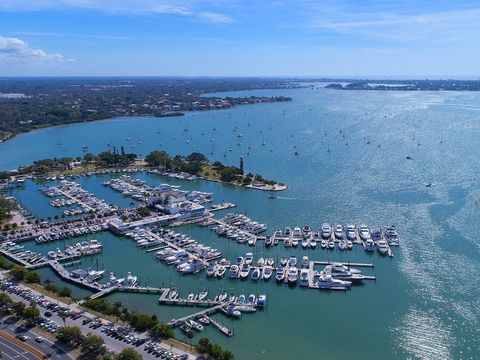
point(177, 322)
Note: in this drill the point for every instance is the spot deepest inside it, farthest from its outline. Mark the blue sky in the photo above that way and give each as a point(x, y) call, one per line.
point(401, 38)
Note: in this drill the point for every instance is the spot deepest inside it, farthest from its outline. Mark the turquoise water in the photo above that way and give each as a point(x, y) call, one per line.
point(351, 167)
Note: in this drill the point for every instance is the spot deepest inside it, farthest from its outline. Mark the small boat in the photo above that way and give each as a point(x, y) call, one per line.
point(204, 320)
point(272, 196)
point(305, 243)
point(194, 325)
point(248, 258)
point(211, 269)
point(294, 242)
point(292, 275)
point(267, 272)
point(305, 261)
point(203, 295)
point(233, 271)
point(349, 244)
point(220, 271)
point(269, 261)
point(331, 244)
point(252, 299)
point(313, 243)
point(324, 243)
point(283, 261)
point(303, 278)
point(244, 271)
point(369, 245)
point(261, 262)
point(351, 235)
point(262, 300)
point(338, 232)
point(256, 273)
point(326, 231)
point(292, 261)
point(279, 273)
point(190, 297)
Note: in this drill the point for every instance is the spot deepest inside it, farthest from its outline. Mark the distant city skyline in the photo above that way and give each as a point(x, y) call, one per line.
point(298, 38)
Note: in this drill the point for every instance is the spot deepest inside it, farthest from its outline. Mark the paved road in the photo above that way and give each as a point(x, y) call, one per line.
point(15, 352)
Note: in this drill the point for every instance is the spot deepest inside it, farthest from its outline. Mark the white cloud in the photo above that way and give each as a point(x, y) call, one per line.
point(16, 49)
point(193, 8)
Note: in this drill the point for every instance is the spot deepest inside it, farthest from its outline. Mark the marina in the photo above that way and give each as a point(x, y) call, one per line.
point(323, 187)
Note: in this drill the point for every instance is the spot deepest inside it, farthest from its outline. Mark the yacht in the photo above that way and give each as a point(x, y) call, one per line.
point(342, 245)
point(261, 262)
point(351, 235)
point(211, 269)
point(262, 300)
point(313, 243)
point(326, 281)
point(297, 233)
point(364, 232)
point(339, 232)
point(391, 235)
point(382, 246)
point(194, 325)
point(279, 273)
point(252, 299)
point(369, 245)
point(303, 278)
point(287, 232)
point(326, 231)
point(256, 273)
point(292, 261)
point(349, 244)
point(306, 231)
point(269, 240)
point(339, 269)
point(233, 271)
point(267, 272)
point(292, 275)
point(283, 261)
point(269, 261)
point(294, 242)
point(324, 243)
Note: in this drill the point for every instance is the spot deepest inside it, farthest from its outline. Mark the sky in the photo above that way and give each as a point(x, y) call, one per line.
point(351, 38)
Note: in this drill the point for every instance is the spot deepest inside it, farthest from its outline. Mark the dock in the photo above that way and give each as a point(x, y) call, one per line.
point(222, 328)
point(223, 206)
point(177, 322)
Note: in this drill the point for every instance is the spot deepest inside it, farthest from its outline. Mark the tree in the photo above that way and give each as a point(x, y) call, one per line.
point(18, 272)
point(19, 308)
point(196, 157)
point(32, 277)
point(31, 314)
point(158, 158)
point(65, 292)
point(129, 354)
point(5, 300)
point(92, 346)
point(71, 335)
point(163, 331)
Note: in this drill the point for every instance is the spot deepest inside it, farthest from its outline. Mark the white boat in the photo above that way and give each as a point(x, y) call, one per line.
point(194, 325)
point(326, 231)
point(252, 299)
point(261, 261)
point(294, 242)
point(190, 297)
point(331, 244)
point(326, 281)
point(244, 271)
point(267, 272)
point(222, 296)
point(269, 261)
point(364, 232)
point(233, 271)
point(248, 258)
point(351, 235)
point(292, 275)
point(297, 233)
point(324, 243)
point(279, 273)
point(305, 261)
point(305, 243)
point(220, 271)
point(338, 232)
point(313, 243)
point(203, 294)
point(283, 261)
point(349, 244)
point(382, 246)
point(292, 261)
point(303, 278)
point(204, 320)
point(287, 232)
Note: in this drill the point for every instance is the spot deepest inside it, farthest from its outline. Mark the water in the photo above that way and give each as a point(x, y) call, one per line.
point(351, 167)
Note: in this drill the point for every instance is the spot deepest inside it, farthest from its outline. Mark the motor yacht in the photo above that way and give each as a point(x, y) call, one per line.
point(279, 273)
point(303, 278)
point(256, 273)
point(292, 275)
point(326, 231)
point(267, 272)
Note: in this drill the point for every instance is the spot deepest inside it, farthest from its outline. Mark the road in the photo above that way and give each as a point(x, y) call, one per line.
point(13, 351)
point(48, 347)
